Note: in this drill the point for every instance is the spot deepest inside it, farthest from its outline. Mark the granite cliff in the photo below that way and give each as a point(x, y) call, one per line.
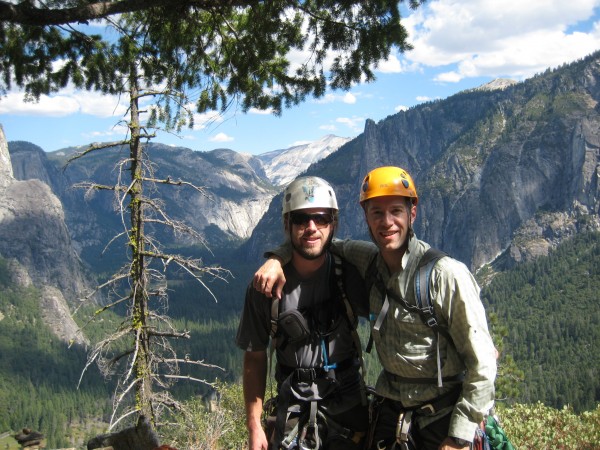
point(503, 174)
point(35, 241)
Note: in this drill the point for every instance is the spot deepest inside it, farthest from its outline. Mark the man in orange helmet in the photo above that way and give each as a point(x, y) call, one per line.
point(437, 382)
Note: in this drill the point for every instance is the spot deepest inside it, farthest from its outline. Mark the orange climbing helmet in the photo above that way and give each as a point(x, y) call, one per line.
point(388, 180)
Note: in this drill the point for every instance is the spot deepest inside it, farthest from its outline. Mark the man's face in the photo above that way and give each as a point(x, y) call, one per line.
point(389, 219)
point(311, 231)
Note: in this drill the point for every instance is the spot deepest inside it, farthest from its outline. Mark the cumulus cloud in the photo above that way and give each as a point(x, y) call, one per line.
point(347, 98)
point(391, 65)
point(509, 38)
point(261, 111)
point(355, 123)
point(221, 137)
point(206, 119)
point(56, 106)
point(66, 103)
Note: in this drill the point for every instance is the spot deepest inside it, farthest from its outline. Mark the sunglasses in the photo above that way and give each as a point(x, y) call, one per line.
point(321, 220)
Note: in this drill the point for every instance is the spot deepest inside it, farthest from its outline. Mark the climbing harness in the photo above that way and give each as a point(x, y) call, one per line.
point(312, 426)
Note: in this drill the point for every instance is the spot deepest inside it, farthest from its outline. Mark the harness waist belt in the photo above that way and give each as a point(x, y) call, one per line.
point(400, 378)
point(311, 374)
point(434, 405)
point(441, 402)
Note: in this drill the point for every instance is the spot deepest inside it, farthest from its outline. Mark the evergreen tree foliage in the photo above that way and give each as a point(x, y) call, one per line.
point(39, 374)
point(239, 49)
point(552, 317)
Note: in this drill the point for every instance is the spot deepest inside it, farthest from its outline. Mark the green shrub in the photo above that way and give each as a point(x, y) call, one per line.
point(199, 428)
point(528, 427)
point(544, 428)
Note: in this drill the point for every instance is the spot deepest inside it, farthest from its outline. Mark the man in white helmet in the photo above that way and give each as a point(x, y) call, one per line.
point(321, 402)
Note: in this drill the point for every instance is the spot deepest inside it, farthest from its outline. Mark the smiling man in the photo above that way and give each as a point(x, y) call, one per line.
point(321, 402)
point(439, 361)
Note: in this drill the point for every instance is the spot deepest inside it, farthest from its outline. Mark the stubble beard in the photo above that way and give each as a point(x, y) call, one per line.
point(310, 253)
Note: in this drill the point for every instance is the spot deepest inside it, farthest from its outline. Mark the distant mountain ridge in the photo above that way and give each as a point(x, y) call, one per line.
point(237, 188)
point(503, 175)
point(282, 166)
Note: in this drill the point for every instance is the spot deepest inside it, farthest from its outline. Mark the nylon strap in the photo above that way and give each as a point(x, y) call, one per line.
point(352, 318)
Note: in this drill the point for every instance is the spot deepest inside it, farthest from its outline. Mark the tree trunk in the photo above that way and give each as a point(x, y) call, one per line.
point(141, 365)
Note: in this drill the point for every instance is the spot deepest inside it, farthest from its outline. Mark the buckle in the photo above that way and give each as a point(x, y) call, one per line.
point(305, 375)
point(427, 409)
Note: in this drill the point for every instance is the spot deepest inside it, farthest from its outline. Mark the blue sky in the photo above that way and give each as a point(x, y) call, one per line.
point(457, 44)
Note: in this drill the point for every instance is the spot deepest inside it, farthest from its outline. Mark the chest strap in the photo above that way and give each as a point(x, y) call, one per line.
point(311, 374)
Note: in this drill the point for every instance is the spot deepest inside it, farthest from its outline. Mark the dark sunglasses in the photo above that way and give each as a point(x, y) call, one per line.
point(321, 220)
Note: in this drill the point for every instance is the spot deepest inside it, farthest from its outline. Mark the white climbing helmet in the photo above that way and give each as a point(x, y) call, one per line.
point(308, 192)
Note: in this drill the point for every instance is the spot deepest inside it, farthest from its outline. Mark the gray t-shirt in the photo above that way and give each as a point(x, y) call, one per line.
point(318, 300)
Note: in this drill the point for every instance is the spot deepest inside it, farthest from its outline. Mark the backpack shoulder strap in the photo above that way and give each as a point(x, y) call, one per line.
point(423, 306)
point(422, 288)
point(339, 278)
point(350, 314)
point(274, 316)
point(273, 333)
point(372, 276)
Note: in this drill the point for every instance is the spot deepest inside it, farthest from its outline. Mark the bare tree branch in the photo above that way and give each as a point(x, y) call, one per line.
point(200, 363)
point(93, 147)
point(189, 378)
point(168, 180)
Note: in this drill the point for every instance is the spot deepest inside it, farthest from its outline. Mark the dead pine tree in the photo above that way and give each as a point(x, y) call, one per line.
point(148, 364)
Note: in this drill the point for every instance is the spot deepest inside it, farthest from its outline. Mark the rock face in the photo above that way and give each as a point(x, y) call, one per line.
point(235, 192)
point(282, 166)
point(487, 163)
point(35, 239)
point(6, 171)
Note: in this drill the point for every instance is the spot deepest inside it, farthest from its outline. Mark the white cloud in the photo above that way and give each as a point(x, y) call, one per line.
point(66, 103)
point(354, 123)
point(328, 127)
point(98, 105)
point(204, 120)
point(401, 108)
point(56, 106)
point(349, 98)
point(423, 98)
point(392, 65)
point(221, 137)
point(327, 98)
point(509, 38)
point(261, 111)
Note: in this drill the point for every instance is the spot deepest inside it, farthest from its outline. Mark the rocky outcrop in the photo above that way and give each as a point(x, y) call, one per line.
point(234, 193)
point(35, 240)
point(6, 171)
point(282, 166)
point(487, 163)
